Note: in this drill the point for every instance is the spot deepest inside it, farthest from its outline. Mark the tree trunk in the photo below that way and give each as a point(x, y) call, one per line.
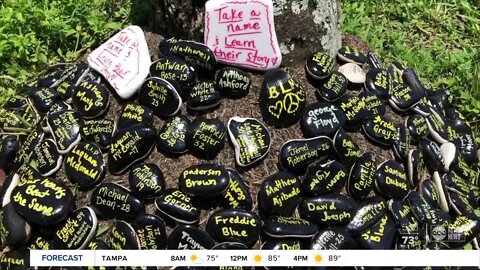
point(302, 26)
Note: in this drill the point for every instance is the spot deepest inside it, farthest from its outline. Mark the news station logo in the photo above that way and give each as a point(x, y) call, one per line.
point(445, 233)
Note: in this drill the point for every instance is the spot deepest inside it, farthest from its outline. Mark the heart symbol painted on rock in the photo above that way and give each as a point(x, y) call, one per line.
point(276, 109)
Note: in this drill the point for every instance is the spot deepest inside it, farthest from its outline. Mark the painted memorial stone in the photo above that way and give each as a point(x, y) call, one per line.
point(417, 126)
point(65, 129)
point(238, 193)
point(353, 72)
point(402, 214)
point(380, 236)
point(129, 146)
point(320, 65)
point(72, 73)
point(99, 131)
point(347, 150)
point(282, 244)
point(66, 90)
point(165, 47)
point(151, 232)
point(429, 191)
point(379, 82)
point(42, 201)
point(328, 210)
point(370, 211)
point(391, 180)
point(134, 114)
point(203, 96)
point(449, 152)
point(18, 259)
point(84, 165)
point(90, 99)
point(279, 194)
point(15, 231)
point(457, 184)
point(230, 246)
point(161, 96)
point(333, 88)
point(9, 120)
point(49, 78)
point(188, 237)
point(468, 226)
point(373, 60)
point(242, 33)
point(123, 60)
point(322, 119)
point(146, 180)
point(285, 227)
point(234, 225)
point(178, 206)
point(401, 147)
point(362, 176)
point(110, 201)
point(122, 236)
point(351, 55)
point(415, 166)
point(460, 205)
point(250, 138)
point(233, 82)
point(403, 97)
point(97, 244)
point(443, 194)
point(39, 243)
point(196, 54)
point(432, 154)
point(172, 135)
point(467, 148)
point(206, 137)
point(437, 129)
point(282, 99)
point(77, 230)
point(333, 238)
point(9, 146)
point(43, 98)
point(204, 180)
point(27, 146)
point(46, 157)
point(373, 104)
point(381, 130)
point(421, 208)
point(174, 69)
point(296, 155)
point(324, 178)
point(355, 110)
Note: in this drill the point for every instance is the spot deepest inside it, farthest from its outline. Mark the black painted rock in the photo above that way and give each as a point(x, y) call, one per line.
point(84, 165)
point(333, 88)
point(15, 230)
point(90, 99)
point(417, 126)
point(206, 137)
point(10, 120)
point(37, 242)
point(415, 166)
point(230, 246)
point(151, 232)
point(66, 90)
point(77, 230)
point(347, 150)
point(455, 183)
point(72, 73)
point(65, 129)
point(322, 119)
point(370, 211)
point(279, 194)
point(328, 210)
point(238, 193)
point(404, 97)
point(204, 180)
point(380, 236)
point(250, 139)
point(43, 98)
point(174, 69)
point(432, 154)
point(319, 65)
point(282, 244)
point(423, 107)
point(282, 99)
point(373, 104)
point(129, 146)
point(46, 157)
point(467, 226)
point(381, 130)
point(467, 148)
point(18, 259)
point(49, 78)
point(172, 137)
point(196, 54)
point(355, 110)
point(25, 172)
point(99, 131)
point(97, 244)
point(324, 178)
point(437, 129)
point(178, 206)
point(134, 114)
point(373, 60)
point(351, 55)
point(421, 208)
point(401, 147)
point(391, 180)
point(379, 82)
point(285, 227)
point(42, 201)
point(295, 155)
point(333, 238)
point(402, 214)
point(362, 176)
point(9, 146)
point(188, 237)
point(233, 82)
point(122, 236)
point(114, 201)
point(234, 225)
point(146, 180)
point(460, 205)
point(161, 96)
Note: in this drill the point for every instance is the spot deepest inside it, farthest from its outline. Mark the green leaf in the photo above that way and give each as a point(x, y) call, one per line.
point(102, 229)
point(113, 25)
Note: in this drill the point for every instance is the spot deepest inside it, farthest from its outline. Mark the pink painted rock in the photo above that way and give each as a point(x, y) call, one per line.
point(123, 60)
point(242, 33)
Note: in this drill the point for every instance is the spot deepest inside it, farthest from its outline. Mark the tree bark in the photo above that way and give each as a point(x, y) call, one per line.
point(302, 26)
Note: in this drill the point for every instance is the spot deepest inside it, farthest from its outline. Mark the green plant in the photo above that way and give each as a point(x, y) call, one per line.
point(37, 33)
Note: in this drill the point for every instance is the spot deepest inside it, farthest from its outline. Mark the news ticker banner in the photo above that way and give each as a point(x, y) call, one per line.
point(255, 258)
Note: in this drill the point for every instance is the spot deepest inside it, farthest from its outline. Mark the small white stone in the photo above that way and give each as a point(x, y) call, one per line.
point(353, 73)
point(124, 60)
point(449, 152)
point(441, 192)
point(242, 33)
